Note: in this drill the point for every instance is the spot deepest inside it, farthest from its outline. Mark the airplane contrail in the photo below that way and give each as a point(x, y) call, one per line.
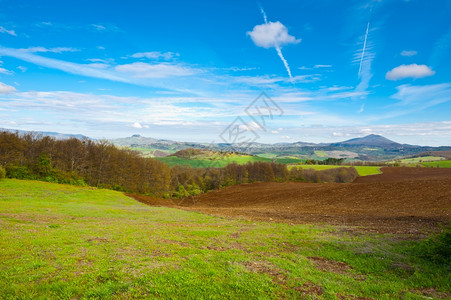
point(263, 13)
point(364, 47)
point(279, 51)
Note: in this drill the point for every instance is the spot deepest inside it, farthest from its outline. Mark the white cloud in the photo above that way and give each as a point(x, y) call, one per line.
point(163, 70)
point(251, 126)
point(362, 108)
point(155, 55)
point(425, 94)
point(322, 66)
point(100, 60)
point(271, 35)
point(409, 53)
point(53, 50)
point(409, 71)
point(138, 125)
point(6, 72)
point(98, 27)
point(6, 89)
point(104, 27)
point(22, 68)
point(10, 32)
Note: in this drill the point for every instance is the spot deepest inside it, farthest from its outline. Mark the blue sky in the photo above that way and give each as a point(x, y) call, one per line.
point(185, 70)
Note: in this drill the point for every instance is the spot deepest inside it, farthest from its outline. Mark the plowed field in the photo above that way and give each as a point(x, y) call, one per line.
point(401, 200)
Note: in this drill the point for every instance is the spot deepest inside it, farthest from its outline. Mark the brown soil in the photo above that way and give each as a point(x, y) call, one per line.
point(401, 200)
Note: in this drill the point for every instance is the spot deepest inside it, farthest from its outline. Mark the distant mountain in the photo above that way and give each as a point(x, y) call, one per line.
point(369, 148)
point(135, 139)
point(372, 140)
point(56, 135)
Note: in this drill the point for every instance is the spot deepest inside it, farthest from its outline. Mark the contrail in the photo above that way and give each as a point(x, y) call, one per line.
point(364, 46)
point(279, 51)
point(263, 13)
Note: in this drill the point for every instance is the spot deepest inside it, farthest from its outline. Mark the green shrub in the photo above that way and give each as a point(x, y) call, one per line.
point(19, 172)
point(437, 248)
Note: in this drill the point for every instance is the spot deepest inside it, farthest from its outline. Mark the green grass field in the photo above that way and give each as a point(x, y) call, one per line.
point(362, 170)
point(320, 153)
point(216, 163)
point(67, 242)
point(148, 152)
point(417, 160)
point(441, 164)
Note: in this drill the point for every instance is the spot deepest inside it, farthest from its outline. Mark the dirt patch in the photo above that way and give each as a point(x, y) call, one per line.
point(98, 240)
point(310, 289)
point(327, 265)
point(352, 297)
point(406, 201)
point(262, 267)
point(431, 293)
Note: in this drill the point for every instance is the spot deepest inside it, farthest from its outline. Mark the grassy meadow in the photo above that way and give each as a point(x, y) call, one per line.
point(362, 170)
point(207, 162)
point(441, 164)
point(68, 242)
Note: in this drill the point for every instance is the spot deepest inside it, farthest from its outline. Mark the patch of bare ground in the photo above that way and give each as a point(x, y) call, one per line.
point(352, 297)
point(403, 201)
point(431, 293)
point(310, 289)
point(263, 267)
point(327, 265)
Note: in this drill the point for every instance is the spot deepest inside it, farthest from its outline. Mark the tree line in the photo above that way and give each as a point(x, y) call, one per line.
point(101, 164)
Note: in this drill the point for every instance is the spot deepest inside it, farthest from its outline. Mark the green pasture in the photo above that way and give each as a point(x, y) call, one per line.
point(68, 242)
point(211, 162)
point(362, 170)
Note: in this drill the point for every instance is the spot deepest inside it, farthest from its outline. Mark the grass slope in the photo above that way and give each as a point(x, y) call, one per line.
point(362, 170)
point(67, 242)
point(441, 164)
point(205, 162)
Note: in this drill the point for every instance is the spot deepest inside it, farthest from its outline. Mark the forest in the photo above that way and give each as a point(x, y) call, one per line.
point(101, 164)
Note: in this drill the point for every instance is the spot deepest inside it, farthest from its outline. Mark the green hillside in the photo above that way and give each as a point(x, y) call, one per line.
point(441, 164)
point(362, 170)
point(204, 158)
point(68, 242)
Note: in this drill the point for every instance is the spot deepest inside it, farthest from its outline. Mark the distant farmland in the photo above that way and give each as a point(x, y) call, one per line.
point(206, 162)
point(362, 170)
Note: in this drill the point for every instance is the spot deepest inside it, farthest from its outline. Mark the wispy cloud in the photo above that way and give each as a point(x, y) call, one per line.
point(441, 48)
point(69, 67)
point(423, 96)
point(409, 53)
point(52, 50)
point(364, 48)
point(10, 32)
point(6, 89)
point(156, 55)
point(409, 71)
point(364, 58)
point(137, 73)
point(415, 98)
point(5, 71)
point(161, 70)
point(322, 66)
